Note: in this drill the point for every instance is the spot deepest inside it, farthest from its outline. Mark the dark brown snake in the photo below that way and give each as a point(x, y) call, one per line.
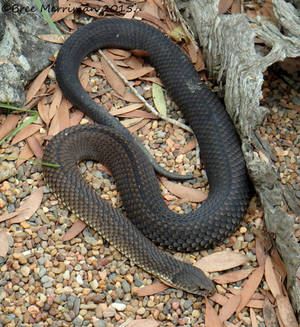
point(112, 145)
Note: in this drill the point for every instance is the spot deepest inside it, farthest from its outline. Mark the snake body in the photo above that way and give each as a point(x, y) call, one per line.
point(111, 144)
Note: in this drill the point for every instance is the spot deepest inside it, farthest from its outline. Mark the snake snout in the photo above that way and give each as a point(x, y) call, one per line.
point(193, 280)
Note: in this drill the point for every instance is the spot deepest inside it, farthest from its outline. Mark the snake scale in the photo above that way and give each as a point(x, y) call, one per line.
point(111, 144)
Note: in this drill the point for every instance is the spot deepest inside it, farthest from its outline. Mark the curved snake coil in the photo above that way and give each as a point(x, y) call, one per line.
point(112, 145)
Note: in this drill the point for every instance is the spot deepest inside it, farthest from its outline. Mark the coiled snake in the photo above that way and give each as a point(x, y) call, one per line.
point(112, 145)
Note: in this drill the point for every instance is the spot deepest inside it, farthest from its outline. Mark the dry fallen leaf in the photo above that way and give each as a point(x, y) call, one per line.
point(25, 132)
point(211, 317)
point(26, 153)
point(233, 276)
point(76, 229)
point(131, 122)
point(9, 124)
point(272, 278)
point(128, 97)
point(253, 318)
point(35, 145)
point(26, 209)
point(184, 192)
point(218, 298)
point(230, 324)
point(112, 78)
point(236, 7)
point(278, 263)
point(60, 14)
point(138, 114)
point(151, 289)
point(43, 109)
point(53, 38)
point(189, 146)
point(3, 243)
point(286, 311)
point(220, 261)
point(256, 304)
point(126, 109)
point(269, 314)
point(143, 323)
point(229, 307)
point(76, 117)
point(36, 84)
point(139, 125)
point(55, 102)
point(260, 251)
point(131, 74)
point(224, 5)
point(250, 287)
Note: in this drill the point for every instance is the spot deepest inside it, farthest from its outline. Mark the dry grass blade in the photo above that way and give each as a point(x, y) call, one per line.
point(221, 261)
point(76, 229)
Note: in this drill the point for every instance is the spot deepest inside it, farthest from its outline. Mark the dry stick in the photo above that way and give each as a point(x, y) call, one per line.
point(148, 105)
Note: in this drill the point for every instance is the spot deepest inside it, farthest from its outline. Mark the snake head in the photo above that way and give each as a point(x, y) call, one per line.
point(193, 280)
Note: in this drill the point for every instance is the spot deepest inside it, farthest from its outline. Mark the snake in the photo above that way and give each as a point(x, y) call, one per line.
point(145, 227)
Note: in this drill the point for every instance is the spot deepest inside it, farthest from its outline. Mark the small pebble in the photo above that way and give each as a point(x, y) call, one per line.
point(119, 306)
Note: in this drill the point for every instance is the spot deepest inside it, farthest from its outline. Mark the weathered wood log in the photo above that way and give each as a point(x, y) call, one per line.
point(229, 51)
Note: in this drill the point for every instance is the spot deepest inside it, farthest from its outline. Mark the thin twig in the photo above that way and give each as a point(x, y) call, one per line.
point(148, 105)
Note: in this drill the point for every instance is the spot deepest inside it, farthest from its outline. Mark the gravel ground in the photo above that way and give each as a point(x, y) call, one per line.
point(85, 281)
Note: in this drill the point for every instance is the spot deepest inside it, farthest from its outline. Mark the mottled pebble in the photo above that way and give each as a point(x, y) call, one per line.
point(141, 311)
point(109, 312)
point(25, 271)
point(99, 323)
point(78, 321)
point(118, 306)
